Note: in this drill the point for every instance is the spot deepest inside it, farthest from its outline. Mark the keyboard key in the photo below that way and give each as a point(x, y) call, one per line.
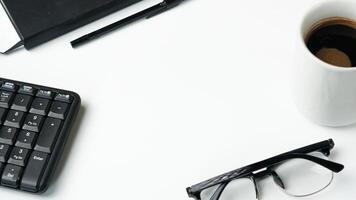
point(47, 94)
point(58, 110)
point(8, 135)
point(18, 156)
point(12, 87)
point(2, 115)
point(66, 98)
point(14, 118)
point(11, 176)
point(21, 102)
point(34, 170)
point(33, 122)
point(25, 89)
point(26, 139)
point(40, 106)
point(48, 135)
point(5, 99)
point(4, 152)
point(2, 165)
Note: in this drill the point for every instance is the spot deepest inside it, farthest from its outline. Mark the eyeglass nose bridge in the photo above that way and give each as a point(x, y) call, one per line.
point(257, 190)
point(221, 188)
point(263, 173)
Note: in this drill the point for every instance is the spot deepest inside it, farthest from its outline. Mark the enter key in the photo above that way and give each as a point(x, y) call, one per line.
point(34, 171)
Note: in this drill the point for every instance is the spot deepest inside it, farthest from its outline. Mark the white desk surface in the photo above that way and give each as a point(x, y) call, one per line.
point(174, 100)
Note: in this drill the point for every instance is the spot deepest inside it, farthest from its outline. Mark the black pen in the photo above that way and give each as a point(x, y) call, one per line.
point(147, 13)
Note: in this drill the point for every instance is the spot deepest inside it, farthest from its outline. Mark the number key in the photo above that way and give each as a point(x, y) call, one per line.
point(18, 156)
point(33, 122)
point(8, 135)
point(14, 118)
point(4, 152)
point(26, 139)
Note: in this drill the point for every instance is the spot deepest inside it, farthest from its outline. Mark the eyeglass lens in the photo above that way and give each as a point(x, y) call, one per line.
point(301, 177)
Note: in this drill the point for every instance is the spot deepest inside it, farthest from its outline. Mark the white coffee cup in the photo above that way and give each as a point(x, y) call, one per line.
point(324, 93)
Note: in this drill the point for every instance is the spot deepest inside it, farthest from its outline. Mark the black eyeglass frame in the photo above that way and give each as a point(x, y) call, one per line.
point(266, 167)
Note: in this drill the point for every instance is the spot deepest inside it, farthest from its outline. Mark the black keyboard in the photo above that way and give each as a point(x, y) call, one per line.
point(35, 122)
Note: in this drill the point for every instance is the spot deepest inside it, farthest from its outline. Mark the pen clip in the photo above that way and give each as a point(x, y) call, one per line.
point(165, 5)
point(147, 13)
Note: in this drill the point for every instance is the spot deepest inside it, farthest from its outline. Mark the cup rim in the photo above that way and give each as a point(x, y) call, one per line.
point(302, 35)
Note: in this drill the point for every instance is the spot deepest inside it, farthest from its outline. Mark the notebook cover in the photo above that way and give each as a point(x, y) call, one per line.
point(37, 21)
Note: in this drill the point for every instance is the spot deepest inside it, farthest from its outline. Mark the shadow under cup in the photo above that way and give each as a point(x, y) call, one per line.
point(324, 74)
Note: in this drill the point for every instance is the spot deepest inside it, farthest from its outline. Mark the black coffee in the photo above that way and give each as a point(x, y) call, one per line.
point(333, 40)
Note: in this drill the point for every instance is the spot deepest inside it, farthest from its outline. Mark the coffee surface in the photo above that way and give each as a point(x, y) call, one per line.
point(333, 41)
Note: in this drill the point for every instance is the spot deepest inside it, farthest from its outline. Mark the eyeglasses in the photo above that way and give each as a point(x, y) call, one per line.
point(299, 173)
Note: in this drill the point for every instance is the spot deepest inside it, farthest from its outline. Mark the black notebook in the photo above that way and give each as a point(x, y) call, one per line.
point(37, 21)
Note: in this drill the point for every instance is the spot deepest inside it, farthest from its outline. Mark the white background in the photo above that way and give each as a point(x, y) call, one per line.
point(174, 100)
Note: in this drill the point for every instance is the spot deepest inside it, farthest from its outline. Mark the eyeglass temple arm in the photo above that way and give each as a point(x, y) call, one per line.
point(324, 147)
point(332, 166)
point(194, 191)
